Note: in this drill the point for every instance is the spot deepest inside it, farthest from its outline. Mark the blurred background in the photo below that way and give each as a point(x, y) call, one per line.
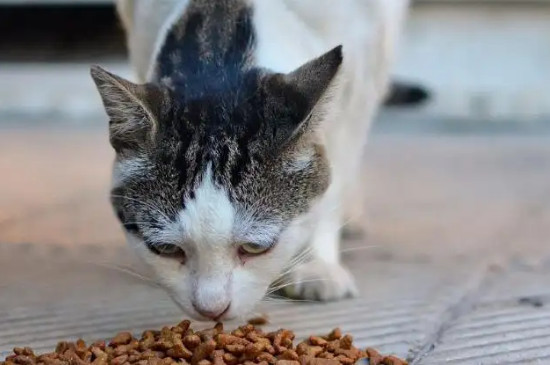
point(457, 189)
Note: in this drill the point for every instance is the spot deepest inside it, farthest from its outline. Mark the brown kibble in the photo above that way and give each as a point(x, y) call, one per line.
point(217, 357)
point(352, 353)
point(23, 360)
point(191, 341)
point(326, 355)
point(26, 351)
point(168, 361)
point(119, 360)
point(182, 346)
point(224, 339)
point(203, 351)
point(332, 346)
point(345, 360)
point(392, 360)
point(289, 355)
point(238, 332)
point(336, 334)
point(99, 344)
point(374, 356)
point(346, 342)
point(317, 341)
point(179, 351)
point(235, 349)
point(62, 347)
point(314, 351)
point(253, 349)
point(123, 338)
point(218, 328)
point(120, 350)
point(154, 361)
point(259, 321)
point(317, 361)
point(230, 359)
point(266, 356)
point(184, 325)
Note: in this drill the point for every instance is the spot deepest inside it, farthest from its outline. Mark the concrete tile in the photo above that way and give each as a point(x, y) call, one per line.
point(510, 323)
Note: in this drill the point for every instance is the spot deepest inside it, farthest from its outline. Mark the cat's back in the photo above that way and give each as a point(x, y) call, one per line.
point(280, 35)
point(287, 32)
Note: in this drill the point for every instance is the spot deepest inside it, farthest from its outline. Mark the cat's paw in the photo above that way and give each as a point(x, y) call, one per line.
point(321, 281)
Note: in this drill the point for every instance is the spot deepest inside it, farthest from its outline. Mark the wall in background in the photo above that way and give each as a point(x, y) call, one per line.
point(481, 59)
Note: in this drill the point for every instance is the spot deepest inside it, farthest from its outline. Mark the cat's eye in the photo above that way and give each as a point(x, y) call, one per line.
point(168, 250)
point(252, 249)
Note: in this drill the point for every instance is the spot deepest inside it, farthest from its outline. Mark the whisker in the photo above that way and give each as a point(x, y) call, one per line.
point(278, 299)
point(279, 287)
point(358, 248)
point(126, 270)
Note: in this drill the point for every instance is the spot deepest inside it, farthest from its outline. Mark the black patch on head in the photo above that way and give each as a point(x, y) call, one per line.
point(212, 43)
point(220, 110)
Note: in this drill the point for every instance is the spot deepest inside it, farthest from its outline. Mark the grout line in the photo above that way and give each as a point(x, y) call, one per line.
point(464, 305)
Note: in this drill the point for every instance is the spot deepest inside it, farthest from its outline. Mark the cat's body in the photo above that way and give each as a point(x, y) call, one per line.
point(241, 151)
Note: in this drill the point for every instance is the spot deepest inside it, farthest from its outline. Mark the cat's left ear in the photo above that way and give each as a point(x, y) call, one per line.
point(294, 96)
point(314, 78)
point(130, 107)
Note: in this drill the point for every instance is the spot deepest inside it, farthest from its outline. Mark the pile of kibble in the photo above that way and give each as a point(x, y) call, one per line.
point(181, 345)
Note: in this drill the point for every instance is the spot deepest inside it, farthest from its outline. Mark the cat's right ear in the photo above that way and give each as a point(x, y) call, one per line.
point(129, 107)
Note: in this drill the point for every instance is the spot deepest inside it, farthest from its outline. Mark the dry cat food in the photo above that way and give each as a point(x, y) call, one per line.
point(181, 345)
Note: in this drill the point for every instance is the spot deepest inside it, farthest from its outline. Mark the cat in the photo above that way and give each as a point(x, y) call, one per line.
point(239, 147)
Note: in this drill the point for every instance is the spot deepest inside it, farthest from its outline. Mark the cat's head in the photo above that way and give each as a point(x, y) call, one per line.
point(212, 190)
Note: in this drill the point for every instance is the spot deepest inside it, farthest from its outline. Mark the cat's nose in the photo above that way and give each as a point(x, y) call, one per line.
point(212, 313)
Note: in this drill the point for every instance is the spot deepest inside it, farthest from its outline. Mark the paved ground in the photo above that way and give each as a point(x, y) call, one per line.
point(455, 268)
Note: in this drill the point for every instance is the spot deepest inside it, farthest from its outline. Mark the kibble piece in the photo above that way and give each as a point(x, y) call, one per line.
point(258, 321)
point(119, 360)
point(345, 360)
point(230, 359)
point(266, 356)
point(235, 349)
point(203, 351)
point(346, 342)
point(336, 334)
point(191, 341)
point(179, 351)
point(392, 360)
point(289, 355)
point(317, 341)
point(374, 356)
point(123, 338)
point(318, 361)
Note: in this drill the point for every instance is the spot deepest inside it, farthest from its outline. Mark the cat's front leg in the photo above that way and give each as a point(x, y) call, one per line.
point(323, 277)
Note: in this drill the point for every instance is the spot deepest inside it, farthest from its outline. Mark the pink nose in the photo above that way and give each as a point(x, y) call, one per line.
point(213, 314)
